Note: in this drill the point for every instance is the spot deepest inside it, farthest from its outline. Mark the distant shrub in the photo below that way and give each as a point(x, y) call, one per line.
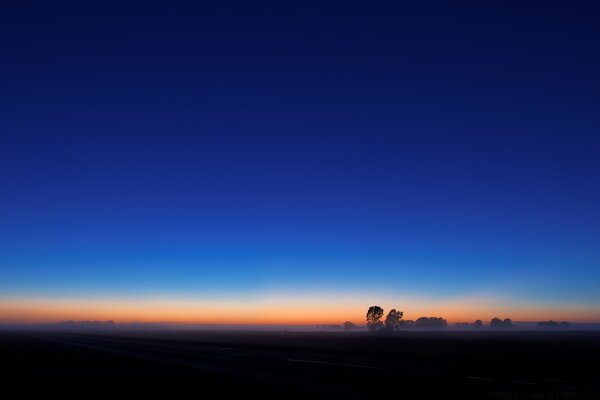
point(553, 324)
point(498, 323)
point(348, 325)
point(431, 322)
point(407, 323)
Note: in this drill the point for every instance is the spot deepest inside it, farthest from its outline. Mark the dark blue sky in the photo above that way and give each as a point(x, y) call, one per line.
point(440, 149)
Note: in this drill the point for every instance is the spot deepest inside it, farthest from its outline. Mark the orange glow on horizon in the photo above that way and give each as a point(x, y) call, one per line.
point(276, 311)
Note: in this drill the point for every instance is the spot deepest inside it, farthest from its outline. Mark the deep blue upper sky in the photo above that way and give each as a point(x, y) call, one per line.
point(183, 146)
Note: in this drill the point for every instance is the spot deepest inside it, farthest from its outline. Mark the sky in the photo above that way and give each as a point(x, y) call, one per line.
point(296, 162)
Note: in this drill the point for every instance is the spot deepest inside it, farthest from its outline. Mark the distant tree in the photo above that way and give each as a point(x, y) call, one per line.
point(497, 323)
point(348, 325)
point(392, 321)
point(478, 324)
point(374, 315)
point(431, 322)
point(553, 324)
point(406, 323)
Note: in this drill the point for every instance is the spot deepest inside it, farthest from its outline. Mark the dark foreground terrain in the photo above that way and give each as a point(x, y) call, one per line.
point(495, 365)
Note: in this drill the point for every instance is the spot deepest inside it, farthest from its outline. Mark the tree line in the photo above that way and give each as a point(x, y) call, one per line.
point(393, 322)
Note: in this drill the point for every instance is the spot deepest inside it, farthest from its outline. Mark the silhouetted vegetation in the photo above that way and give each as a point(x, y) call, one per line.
point(392, 320)
point(477, 324)
point(87, 323)
point(329, 326)
point(374, 314)
point(553, 324)
point(431, 322)
point(407, 323)
point(348, 325)
point(498, 323)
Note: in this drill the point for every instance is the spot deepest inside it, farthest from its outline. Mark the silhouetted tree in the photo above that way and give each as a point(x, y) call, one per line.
point(374, 315)
point(431, 322)
point(406, 323)
point(478, 324)
point(392, 321)
point(553, 324)
point(348, 325)
point(500, 324)
point(547, 324)
point(496, 322)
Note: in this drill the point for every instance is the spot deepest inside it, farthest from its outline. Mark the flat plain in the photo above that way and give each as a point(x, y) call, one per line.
point(412, 364)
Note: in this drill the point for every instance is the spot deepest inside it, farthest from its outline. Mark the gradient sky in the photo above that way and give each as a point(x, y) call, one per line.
point(296, 162)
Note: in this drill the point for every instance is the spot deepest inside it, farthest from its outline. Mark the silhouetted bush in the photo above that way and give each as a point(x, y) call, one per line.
point(348, 325)
point(431, 322)
point(553, 324)
point(497, 323)
point(476, 324)
point(407, 323)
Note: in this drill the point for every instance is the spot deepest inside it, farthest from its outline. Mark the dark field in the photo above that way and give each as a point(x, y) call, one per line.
point(497, 365)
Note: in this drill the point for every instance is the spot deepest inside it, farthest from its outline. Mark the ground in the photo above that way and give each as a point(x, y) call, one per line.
point(478, 364)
